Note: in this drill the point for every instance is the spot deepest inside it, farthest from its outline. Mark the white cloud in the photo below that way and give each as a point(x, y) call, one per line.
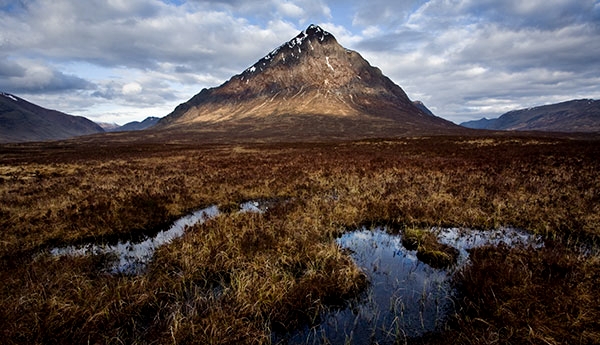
point(290, 10)
point(131, 89)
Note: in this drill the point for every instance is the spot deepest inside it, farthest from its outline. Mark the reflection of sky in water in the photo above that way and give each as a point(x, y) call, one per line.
point(465, 239)
point(133, 257)
point(413, 294)
point(406, 298)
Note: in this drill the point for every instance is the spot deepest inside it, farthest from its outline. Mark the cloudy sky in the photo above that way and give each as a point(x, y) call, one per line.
point(124, 60)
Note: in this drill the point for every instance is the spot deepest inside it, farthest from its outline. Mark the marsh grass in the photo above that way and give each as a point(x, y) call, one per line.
point(429, 249)
point(517, 296)
point(238, 277)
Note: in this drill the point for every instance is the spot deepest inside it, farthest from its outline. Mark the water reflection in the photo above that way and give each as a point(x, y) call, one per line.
point(406, 298)
point(132, 258)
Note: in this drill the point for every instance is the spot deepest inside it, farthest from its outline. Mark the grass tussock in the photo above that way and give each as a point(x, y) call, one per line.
point(517, 296)
point(429, 250)
point(237, 277)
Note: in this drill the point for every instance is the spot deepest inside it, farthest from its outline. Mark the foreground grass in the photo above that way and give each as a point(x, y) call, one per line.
point(236, 278)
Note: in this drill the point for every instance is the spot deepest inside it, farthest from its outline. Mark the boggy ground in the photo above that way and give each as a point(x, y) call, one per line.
point(236, 278)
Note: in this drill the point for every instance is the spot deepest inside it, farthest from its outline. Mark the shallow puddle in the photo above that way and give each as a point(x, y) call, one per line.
point(132, 257)
point(406, 298)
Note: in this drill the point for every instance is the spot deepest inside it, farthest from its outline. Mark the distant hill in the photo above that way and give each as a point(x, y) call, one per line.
point(572, 116)
point(137, 125)
point(107, 126)
point(22, 121)
point(308, 88)
point(483, 123)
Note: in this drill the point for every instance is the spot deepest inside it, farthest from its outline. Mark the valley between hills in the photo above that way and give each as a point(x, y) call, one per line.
point(358, 157)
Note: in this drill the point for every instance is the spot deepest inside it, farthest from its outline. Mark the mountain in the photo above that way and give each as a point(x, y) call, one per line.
point(22, 121)
point(309, 87)
point(130, 126)
point(423, 108)
point(107, 126)
point(581, 115)
point(137, 125)
point(483, 123)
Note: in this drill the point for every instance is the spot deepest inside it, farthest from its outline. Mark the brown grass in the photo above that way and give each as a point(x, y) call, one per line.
point(429, 250)
point(515, 296)
point(239, 276)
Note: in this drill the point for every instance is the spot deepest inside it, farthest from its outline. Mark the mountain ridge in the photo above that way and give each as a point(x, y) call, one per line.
point(23, 121)
point(579, 115)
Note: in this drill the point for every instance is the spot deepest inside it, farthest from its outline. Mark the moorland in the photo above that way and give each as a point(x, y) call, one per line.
point(240, 276)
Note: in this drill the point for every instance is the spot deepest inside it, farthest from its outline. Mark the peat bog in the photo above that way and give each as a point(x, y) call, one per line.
point(240, 277)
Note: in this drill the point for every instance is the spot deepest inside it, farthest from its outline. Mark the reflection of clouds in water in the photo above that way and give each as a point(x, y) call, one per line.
point(405, 295)
point(133, 257)
point(465, 239)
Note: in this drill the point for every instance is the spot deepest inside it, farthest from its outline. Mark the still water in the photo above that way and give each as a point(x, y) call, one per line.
point(406, 298)
point(133, 257)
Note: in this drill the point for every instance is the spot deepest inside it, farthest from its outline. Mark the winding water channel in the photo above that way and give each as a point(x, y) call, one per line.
point(133, 257)
point(406, 298)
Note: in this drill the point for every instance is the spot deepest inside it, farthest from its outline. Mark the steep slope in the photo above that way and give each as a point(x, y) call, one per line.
point(309, 87)
point(21, 121)
point(423, 108)
point(571, 116)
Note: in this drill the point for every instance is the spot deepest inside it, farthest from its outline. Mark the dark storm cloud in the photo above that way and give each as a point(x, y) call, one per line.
point(10, 69)
point(541, 14)
point(33, 77)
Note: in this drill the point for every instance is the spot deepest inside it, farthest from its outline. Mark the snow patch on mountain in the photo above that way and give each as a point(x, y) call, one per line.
point(328, 64)
point(8, 95)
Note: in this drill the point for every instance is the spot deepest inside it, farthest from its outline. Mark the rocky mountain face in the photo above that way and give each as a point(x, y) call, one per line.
point(572, 116)
point(22, 121)
point(309, 87)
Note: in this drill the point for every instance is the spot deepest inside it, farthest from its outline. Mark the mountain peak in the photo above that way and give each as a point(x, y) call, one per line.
point(314, 31)
point(22, 121)
point(306, 41)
